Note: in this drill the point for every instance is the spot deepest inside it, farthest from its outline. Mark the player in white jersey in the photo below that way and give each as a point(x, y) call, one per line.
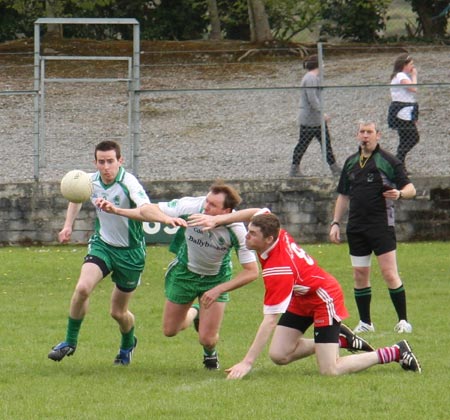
point(202, 267)
point(117, 247)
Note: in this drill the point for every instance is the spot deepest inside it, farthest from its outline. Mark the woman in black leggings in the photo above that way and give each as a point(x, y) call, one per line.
point(404, 110)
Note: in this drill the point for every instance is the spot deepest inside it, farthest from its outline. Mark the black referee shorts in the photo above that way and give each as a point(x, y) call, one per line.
point(376, 240)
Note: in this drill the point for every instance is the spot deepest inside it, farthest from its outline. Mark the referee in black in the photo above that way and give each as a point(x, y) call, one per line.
point(371, 180)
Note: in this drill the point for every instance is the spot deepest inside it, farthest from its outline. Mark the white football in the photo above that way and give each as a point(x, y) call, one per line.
point(76, 186)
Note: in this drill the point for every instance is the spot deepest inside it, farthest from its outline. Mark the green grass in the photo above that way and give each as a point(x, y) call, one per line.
point(166, 378)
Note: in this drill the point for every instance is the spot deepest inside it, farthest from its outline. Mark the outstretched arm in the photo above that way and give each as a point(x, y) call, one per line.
point(210, 222)
point(265, 330)
point(145, 213)
point(248, 273)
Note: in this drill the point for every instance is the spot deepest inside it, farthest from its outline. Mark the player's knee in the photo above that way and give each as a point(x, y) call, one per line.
point(117, 315)
point(170, 331)
point(278, 358)
point(391, 276)
point(81, 293)
point(208, 341)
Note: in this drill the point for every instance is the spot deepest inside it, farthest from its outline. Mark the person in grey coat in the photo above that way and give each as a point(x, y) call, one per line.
point(310, 125)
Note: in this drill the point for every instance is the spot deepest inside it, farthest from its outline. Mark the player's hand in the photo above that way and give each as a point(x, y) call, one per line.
point(176, 221)
point(392, 194)
point(105, 205)
point(206, 221)
point(210, 296)
point(335, 234)
point(64, 235)
point(239, 370)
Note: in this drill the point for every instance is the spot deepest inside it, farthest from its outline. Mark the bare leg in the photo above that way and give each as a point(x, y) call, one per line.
point(288, 345)
point(90, 276)
point(331, 364)
point(120, 311)
point(176, 318)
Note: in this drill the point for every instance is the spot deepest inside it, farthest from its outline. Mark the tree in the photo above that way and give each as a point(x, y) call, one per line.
point(234, 19)
point(54, 8)
point(359, 20)
point(259, 22)
point(30, 10)
point(290, 17)
point(432, 17)
point(177, 20)
point(216, 32)
point(8, 22)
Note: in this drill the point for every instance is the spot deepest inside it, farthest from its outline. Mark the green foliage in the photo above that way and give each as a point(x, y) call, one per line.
point(432, 17)
point(90, 4)
point(8, 25)
point(358, 20)
point(176, 20)
point(234, 19)
point(17, 17)
point(168, 19)
point(290, 17)
point(29, 7)
point(165, 19)
point(166, 379)
point(56, 7)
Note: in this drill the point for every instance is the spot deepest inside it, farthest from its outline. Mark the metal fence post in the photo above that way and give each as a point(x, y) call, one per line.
point(36, 133)
point(322, 113)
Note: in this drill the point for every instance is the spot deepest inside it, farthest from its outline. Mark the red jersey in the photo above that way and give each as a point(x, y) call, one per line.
point(294, 282)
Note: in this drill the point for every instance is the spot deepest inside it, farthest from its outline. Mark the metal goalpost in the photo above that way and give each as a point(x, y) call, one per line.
point(40, 81)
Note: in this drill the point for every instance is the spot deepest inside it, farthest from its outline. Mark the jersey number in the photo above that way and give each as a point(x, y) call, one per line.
point(301, 253)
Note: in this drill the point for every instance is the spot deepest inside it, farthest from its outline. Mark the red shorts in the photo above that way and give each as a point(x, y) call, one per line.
point(324, 305)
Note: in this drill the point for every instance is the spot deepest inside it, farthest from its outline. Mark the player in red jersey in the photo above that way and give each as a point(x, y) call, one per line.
point(304, 294)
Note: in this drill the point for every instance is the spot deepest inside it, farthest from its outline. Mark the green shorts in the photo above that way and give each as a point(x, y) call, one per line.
point(183, 286)
point(125, 264)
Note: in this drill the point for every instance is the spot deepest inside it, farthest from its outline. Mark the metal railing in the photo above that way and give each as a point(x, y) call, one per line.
point(221, 119)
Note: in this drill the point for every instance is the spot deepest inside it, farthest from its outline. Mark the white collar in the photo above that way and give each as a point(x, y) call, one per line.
point(266, 253)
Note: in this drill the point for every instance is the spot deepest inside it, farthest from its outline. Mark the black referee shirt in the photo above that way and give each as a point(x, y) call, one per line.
point(365, 182)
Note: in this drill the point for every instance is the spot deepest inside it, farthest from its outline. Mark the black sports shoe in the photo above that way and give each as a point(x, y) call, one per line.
point(61, 350)
point(408, 360)
point(124, 356)
point(211, 362)
point(354, 342)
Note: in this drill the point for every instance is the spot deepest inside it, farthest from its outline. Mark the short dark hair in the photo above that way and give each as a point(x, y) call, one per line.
point(106, 146)
point(232, 197)
point(311, 63)
point(268, 223)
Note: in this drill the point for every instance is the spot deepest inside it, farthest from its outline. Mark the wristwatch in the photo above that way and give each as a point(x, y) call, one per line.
point(334, 223)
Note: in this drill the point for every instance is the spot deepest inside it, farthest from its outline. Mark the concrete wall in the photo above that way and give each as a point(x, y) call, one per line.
point(33, 213)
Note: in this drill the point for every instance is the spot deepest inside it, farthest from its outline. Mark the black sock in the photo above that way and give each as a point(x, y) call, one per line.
point(363, 298)
point(398, 297)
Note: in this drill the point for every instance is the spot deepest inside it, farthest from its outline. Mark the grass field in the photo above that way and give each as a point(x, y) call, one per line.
point(166, 378)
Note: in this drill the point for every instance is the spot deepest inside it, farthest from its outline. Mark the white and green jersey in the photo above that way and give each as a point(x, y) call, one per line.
point(206, 253)
point(125, 192)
